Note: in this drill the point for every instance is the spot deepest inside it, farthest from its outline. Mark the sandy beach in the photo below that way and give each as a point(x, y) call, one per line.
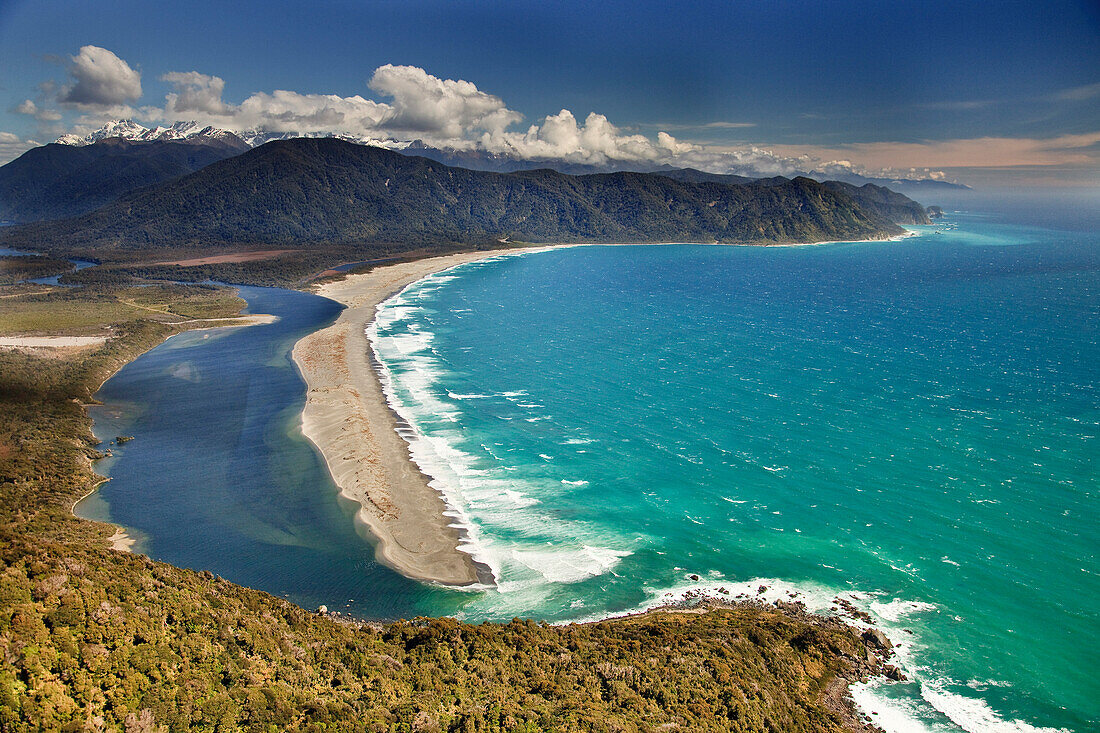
point(347, 417)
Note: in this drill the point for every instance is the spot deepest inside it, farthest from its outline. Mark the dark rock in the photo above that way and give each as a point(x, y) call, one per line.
point(893, 673)
point(877, 639)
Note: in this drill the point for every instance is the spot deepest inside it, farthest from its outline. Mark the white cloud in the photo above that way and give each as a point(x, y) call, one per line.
point(559, 136)
point(99, 78)
point(28, 107)
point(195, 92)
point(456, 114)
point(669, 143)
point(453, 113)
point(423, 105)
point(441, 108)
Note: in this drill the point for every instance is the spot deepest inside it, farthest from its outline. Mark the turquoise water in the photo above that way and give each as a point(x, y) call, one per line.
point(910, 425)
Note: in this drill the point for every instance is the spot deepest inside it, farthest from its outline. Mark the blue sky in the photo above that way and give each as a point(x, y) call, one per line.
point(983, 92)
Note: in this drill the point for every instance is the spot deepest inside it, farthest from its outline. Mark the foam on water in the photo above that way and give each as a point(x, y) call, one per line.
point(482, 501)
point(867, 454)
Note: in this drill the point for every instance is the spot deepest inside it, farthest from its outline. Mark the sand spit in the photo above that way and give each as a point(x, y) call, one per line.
point(347, 417)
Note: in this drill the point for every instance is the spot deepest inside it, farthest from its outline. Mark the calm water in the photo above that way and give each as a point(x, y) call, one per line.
point(219, 476)
point(911, 425)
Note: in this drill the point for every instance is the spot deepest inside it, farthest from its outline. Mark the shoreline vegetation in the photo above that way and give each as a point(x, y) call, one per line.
point(96, 637)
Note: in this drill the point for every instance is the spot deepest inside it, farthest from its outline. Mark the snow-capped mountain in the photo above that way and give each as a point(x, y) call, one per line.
point(475, 159)
point(255, 138)
point(130, 130)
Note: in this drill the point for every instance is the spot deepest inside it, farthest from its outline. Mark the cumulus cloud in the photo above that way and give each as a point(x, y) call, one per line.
point(453, 113)
point(30, 108)
point(446, 108)
point(424, 106)
point(195, 92)
point(672, 145)
point(99, 78)
point(199, 97)
point(596, 141)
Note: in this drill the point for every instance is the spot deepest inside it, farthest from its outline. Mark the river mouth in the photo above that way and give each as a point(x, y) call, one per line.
point(850, 367)
point(218, 476)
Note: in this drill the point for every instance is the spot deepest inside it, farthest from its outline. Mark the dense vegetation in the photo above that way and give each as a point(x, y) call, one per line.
point(57, 181)
point(887, 204)
point(94, 639)
point(127, 640)
point(309, 192)
point(28, 267)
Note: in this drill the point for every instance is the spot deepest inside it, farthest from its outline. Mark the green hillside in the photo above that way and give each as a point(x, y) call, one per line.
point(59, 181)
point(306, 192)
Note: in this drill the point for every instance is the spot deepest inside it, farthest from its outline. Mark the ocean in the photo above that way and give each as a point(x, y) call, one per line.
point(910, 426)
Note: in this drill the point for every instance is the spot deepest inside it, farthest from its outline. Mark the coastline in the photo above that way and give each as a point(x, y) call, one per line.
point(348, 419)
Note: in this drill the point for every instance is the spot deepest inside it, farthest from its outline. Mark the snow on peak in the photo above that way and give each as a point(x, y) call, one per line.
point(130, 130)
point(195, 131)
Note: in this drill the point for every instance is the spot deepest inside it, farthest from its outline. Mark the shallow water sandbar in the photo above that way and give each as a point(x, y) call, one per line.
point(347, 417)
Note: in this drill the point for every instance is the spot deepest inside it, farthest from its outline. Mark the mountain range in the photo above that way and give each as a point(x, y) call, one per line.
point(195, 132)
point(479, 159)
point(61, 180)
point(310, 191)
point(132, 131)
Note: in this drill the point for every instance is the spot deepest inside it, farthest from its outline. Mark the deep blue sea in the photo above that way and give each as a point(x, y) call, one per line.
point(909, 425)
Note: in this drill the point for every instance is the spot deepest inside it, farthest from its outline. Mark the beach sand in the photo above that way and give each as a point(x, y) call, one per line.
point(121, 541)
point(347, 417)
point(45, 342)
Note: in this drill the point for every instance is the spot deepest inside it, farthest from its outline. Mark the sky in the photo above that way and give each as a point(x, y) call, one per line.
point(986, 93)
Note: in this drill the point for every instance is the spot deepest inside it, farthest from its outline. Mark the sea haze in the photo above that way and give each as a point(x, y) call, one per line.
point(911, 425)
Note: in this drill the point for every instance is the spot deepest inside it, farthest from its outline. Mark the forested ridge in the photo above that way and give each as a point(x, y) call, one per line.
point(311, 192)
